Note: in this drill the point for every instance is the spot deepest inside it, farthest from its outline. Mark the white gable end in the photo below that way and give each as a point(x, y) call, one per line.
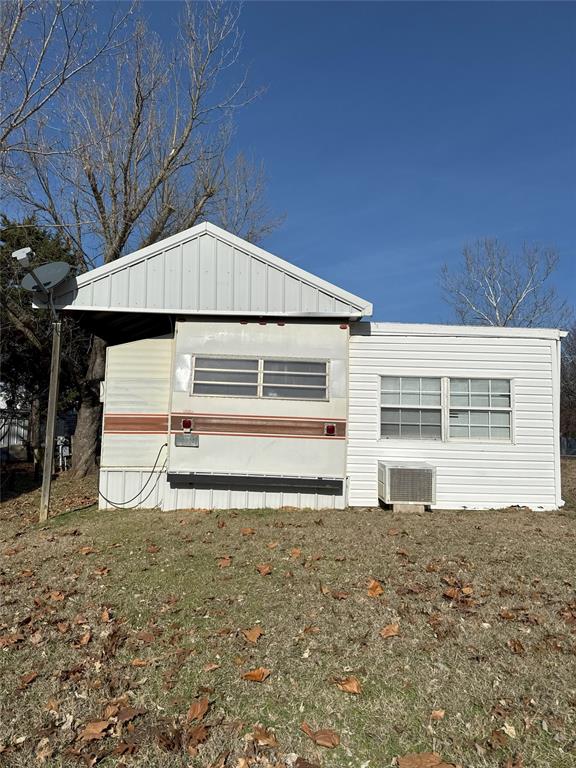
point(206, 270)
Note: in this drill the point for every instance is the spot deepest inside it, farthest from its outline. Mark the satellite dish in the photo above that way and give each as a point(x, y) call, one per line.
point(45, 277)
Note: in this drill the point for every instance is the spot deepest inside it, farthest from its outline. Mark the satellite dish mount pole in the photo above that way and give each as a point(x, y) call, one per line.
point(42, 280)
point(51, 417)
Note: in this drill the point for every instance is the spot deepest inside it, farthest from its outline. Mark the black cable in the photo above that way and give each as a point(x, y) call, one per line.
point(122, 504)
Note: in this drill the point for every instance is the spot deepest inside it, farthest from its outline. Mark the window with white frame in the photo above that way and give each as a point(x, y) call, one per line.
point(411, 407)
point(260, 377)
point(480, 409)
point(436, 408)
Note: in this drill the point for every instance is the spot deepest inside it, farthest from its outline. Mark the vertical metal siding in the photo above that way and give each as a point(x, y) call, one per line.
point(118, 484)
point(469, 474)
point(206, 273)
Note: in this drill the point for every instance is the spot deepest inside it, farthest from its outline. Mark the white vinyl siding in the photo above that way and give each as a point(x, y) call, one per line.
point(472, 472)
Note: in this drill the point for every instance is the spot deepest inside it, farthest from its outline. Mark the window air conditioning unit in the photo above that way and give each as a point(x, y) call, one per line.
point(406, 483)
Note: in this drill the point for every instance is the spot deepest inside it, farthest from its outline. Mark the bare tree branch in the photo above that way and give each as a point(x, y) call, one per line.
point(43, 46)
point(496, 287)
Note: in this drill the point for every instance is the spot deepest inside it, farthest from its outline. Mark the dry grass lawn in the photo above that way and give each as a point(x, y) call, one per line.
point(122, 643)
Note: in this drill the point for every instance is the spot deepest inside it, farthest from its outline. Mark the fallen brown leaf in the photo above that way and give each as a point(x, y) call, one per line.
point(264, 569)
point(423, 760)
point(437, 714)
point(86, 550)
point(224, 562)
point(247, 531)
point(127, 714)
point(302, 763)
point(198, 709)
point(324, 737)
point(43, 750)
point(264, 737)
point(195, 736)
point(152, 549)
point(375, 589)
point(390, 630)
point(26, 680)
point(516, 646)
point(252, 634)
point(349, 685)
point(94, 730)
point(295, 552)
point(257, 675)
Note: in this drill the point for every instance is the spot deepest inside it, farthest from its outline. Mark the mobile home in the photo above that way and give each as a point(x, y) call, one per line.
point(235, 379)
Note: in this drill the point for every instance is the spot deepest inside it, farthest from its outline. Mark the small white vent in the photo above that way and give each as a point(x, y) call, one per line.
point(406, 483)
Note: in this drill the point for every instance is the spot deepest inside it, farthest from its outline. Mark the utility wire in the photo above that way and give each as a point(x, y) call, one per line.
point(122, 504)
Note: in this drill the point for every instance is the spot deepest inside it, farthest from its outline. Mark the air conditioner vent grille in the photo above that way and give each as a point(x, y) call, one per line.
point(416, 485)
point(407, 484)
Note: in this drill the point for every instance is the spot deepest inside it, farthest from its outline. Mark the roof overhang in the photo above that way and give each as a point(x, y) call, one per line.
point(209, 272)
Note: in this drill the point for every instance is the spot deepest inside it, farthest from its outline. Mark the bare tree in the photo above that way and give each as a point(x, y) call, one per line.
point(568, 385)
point(496, 287)
point(45, 46)
point(142, 150)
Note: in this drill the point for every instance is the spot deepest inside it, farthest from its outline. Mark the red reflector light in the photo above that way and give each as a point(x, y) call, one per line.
point(186, 423)
point(330, 430)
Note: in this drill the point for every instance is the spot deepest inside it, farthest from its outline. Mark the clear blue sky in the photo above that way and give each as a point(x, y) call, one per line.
point(393, 133)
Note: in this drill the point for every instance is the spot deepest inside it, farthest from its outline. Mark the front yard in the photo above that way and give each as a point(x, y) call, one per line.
point(126, 638)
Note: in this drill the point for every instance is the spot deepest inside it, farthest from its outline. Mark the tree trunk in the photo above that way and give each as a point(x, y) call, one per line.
point(34, 436)
point(86, 441)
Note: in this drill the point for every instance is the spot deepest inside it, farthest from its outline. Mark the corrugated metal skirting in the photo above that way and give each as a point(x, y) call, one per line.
point(119, 485)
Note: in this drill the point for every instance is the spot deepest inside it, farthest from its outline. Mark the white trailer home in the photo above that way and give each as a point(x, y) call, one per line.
point(235, 379)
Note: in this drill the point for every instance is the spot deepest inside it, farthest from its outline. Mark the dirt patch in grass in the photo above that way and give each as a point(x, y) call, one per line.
point(126, 637)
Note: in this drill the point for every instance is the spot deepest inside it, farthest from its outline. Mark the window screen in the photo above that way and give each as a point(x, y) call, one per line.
point(253, 377)
point(411, 408)
point(294, 379)
point(236, 377)
point(480, 409)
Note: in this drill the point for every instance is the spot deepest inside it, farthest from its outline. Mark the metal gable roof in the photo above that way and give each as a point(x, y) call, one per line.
point(207, 271)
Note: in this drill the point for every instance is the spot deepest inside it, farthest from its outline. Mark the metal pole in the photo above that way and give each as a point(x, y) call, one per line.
point(51, 421)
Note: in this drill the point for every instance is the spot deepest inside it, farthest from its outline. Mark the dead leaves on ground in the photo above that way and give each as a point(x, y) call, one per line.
point(257, 675)
point(94, 730)
point(390, 630)
point(198, 710)
point(264, 569)
point(324, 737)
point(253, 634)
point(375, 589)
point(26, 680)
point(423, 760)
point(349, 684)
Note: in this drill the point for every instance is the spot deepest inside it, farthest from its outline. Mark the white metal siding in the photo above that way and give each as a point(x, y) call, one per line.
point(473, 474)
point(119, 484)
point(205, 270)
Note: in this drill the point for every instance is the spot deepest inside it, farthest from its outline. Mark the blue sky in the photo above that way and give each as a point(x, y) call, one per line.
point(393, 133)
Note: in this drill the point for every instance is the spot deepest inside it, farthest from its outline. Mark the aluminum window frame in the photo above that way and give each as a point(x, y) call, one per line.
point(260, 383)
point(410, 407)
point(510, 409)
point(445, 409)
